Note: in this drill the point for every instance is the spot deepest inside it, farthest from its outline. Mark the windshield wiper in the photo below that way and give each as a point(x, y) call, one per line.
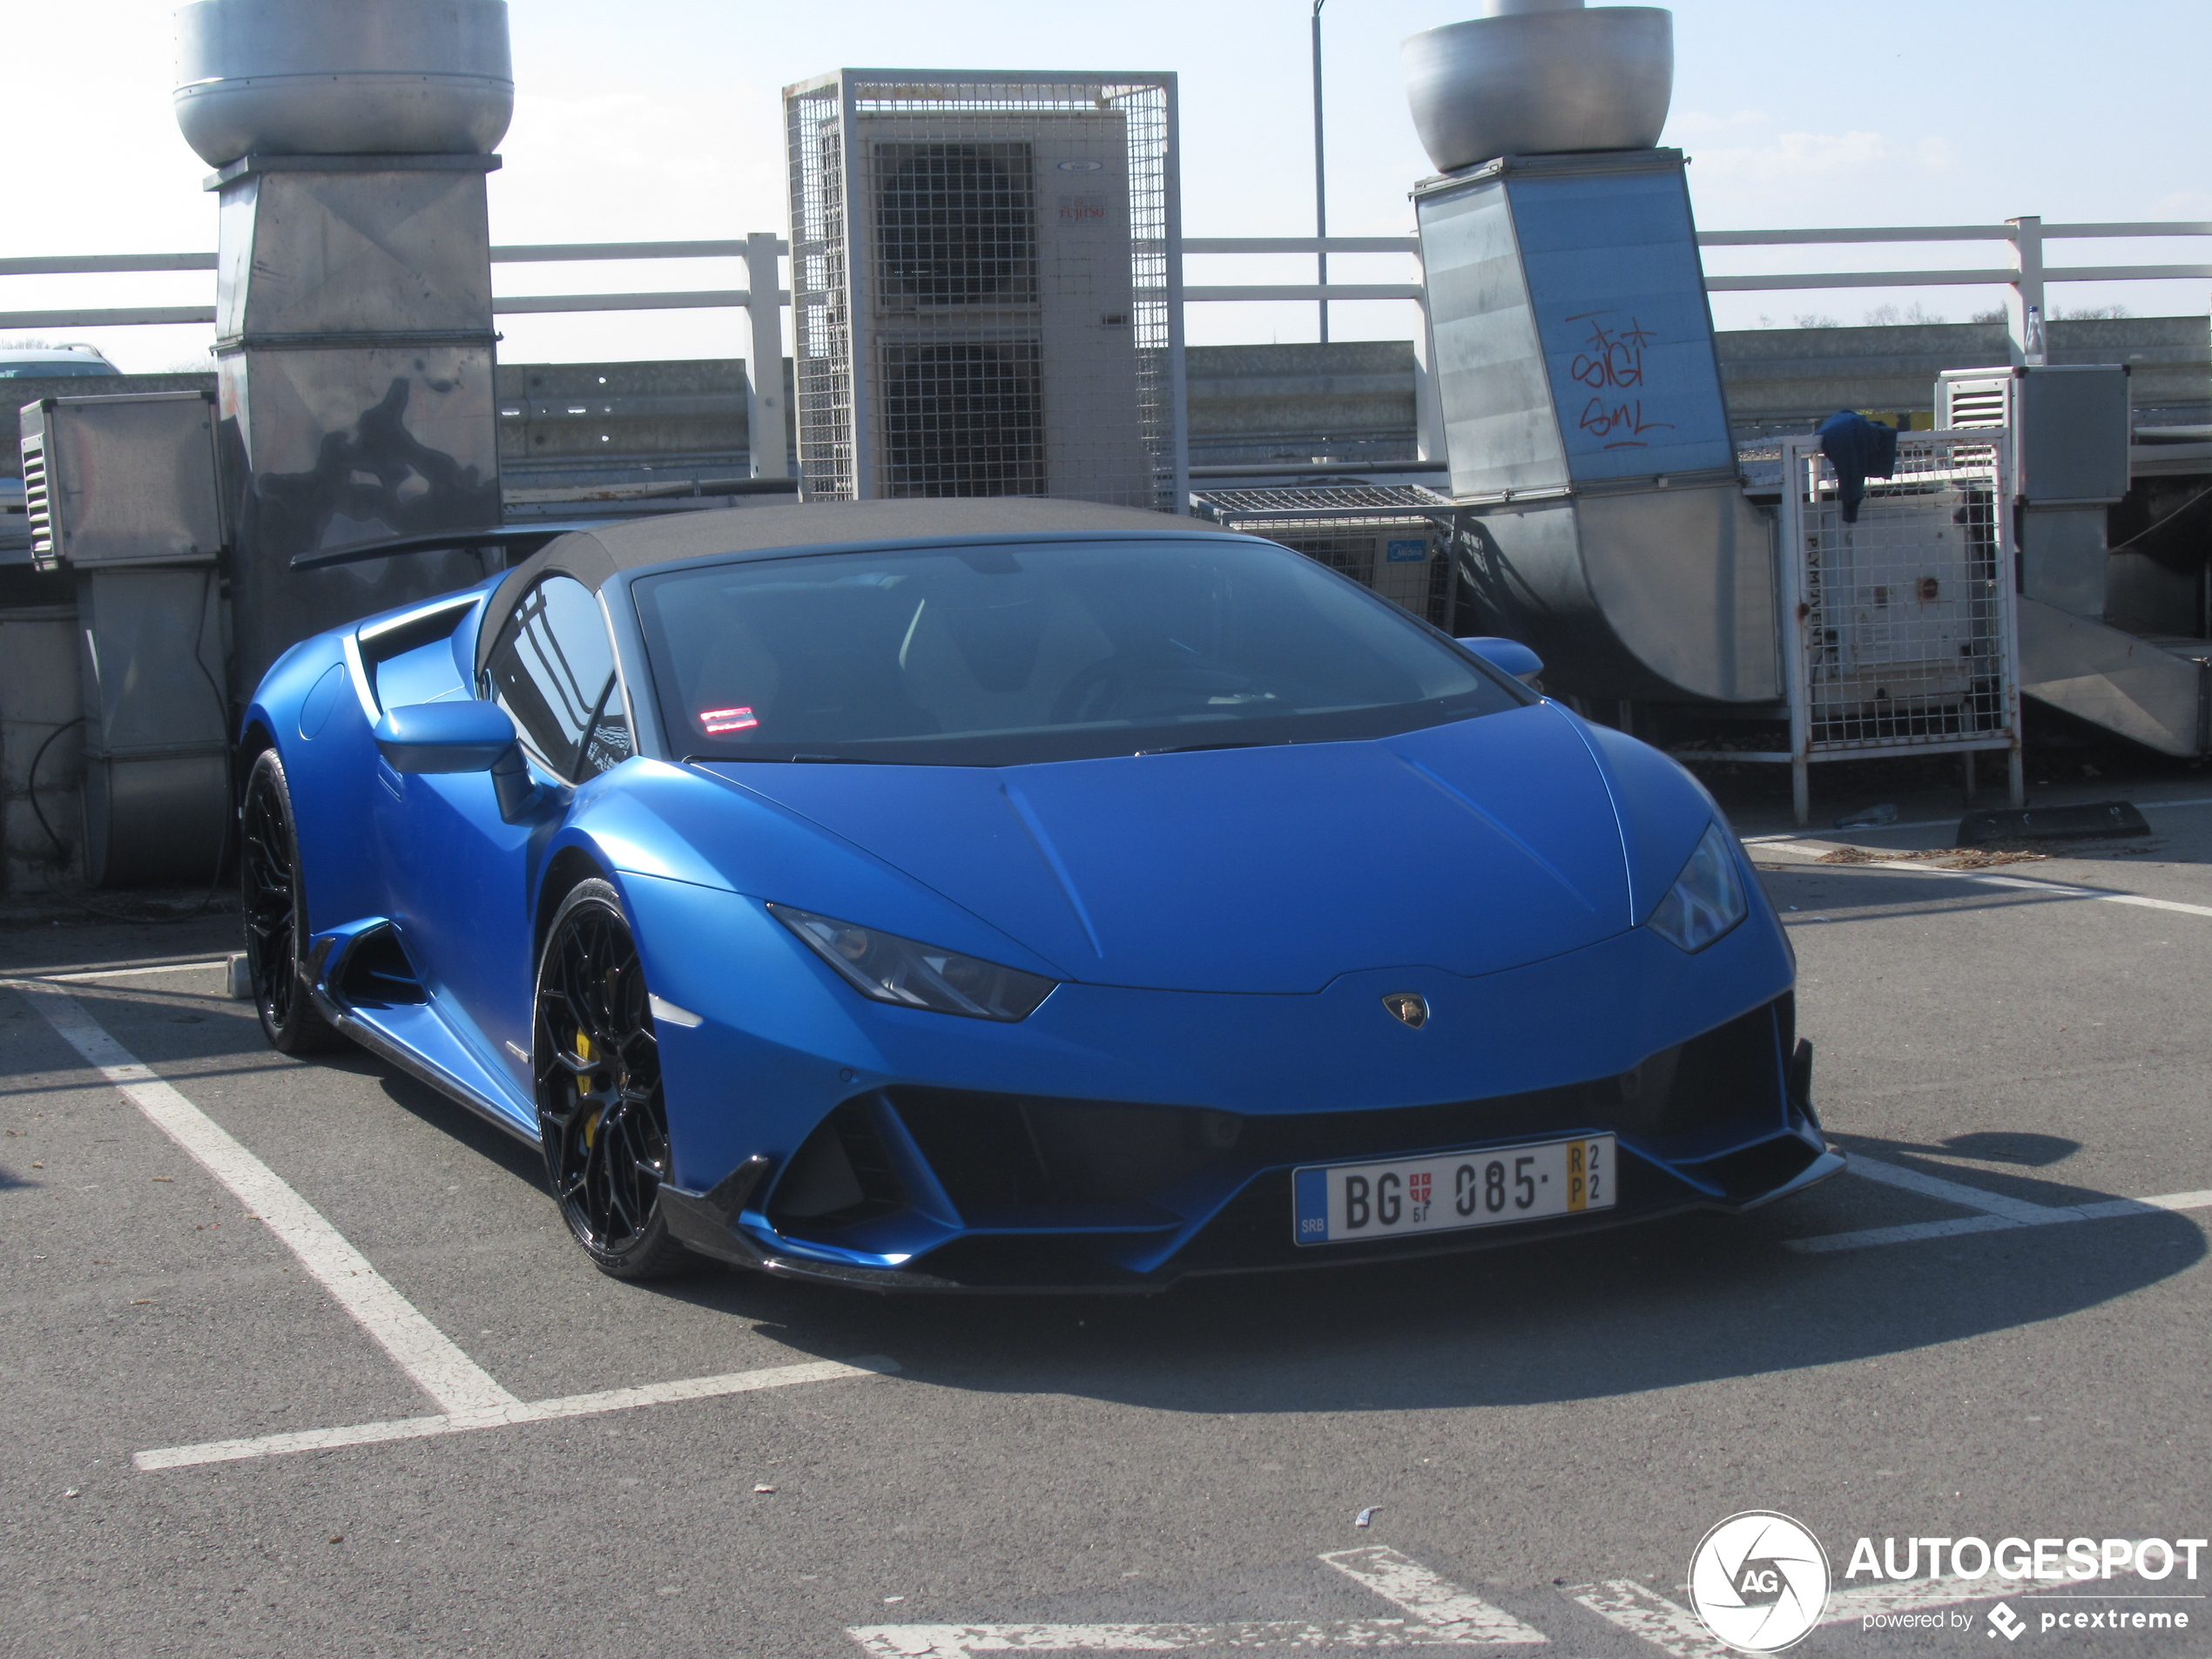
point(781, 760)
point(1193, 748)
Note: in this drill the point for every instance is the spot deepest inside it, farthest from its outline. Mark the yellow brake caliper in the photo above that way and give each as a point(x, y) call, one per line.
point(585, 1081)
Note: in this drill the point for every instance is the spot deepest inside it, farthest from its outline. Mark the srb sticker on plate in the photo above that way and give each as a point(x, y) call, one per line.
point(1443, 1192)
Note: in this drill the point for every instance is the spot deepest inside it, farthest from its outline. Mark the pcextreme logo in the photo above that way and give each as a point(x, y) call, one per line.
point(1759, 1581)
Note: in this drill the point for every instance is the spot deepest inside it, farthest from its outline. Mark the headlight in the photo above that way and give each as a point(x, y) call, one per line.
point(915, 976)
point(1706, 899)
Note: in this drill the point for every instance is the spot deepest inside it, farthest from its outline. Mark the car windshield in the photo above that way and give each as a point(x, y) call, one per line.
point(999, 655)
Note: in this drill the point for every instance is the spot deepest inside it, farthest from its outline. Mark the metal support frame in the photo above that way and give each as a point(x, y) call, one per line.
point(2024, 317)
point(764, 361)
point(1320, 177)
point(1178, 374)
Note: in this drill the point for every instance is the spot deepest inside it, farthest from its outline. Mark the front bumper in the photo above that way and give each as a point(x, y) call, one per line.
point(936, 1190)
point(819, 1134)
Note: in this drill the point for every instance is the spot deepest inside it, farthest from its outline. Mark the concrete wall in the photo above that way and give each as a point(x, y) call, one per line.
point(1353, 401)
point(1344, 402)
point(1788, 380)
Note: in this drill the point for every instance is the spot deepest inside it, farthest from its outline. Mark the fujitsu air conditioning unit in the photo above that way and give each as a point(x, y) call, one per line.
point(980, 272)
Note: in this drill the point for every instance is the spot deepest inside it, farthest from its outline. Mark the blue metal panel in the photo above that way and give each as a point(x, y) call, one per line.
point(1619, 298)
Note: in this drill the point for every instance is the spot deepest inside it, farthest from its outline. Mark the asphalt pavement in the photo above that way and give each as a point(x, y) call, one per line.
point(1973, 1333)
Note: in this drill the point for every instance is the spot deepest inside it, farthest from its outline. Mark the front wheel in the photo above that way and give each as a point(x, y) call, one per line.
point(272, 895)
point(600, 1115)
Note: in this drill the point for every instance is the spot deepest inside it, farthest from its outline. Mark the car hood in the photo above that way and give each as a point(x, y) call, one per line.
point(1472, 846)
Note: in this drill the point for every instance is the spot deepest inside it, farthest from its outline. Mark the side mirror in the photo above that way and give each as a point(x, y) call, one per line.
point(445, 737)
point(1508, 654)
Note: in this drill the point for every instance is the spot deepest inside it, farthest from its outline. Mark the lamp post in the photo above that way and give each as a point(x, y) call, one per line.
point(1320, 172)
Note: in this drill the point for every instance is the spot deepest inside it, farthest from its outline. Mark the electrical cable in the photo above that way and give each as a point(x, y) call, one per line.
point(2163, 522)
point(222, 847)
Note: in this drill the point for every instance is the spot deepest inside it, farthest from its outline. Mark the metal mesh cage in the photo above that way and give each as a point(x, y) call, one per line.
point(983, 278)
point(1396, 539)
point(1906, 641)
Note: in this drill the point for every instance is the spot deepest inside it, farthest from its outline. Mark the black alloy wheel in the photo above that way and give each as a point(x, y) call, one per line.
point(600, 1113)
point(271, 897)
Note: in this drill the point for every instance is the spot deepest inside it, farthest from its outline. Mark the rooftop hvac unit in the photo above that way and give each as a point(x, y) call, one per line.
point(1396, 539)
point(2070, 425)
point(121, 492)
point(121, 480)
point(981, 280)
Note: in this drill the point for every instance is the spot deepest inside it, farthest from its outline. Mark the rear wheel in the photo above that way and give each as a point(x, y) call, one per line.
point(600, 1113)
point(272, 897)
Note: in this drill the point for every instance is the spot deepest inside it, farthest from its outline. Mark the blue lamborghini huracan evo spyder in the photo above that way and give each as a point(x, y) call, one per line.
point(1013, 894)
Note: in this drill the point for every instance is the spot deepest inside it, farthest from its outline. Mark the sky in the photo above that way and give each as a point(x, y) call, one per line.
point(660, 119)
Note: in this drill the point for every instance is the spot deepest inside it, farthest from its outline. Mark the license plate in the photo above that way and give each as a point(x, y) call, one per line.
point(1337, 1204)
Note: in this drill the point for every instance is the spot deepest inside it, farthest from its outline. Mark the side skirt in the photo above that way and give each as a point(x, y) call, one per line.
point(422, 1071)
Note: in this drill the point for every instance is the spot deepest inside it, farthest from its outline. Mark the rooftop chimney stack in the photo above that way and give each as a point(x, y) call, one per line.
point(1573, 346)
point(351, 140)
point(1541, 77)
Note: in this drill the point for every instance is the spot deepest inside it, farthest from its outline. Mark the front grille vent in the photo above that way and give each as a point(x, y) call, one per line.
point(841, 1175)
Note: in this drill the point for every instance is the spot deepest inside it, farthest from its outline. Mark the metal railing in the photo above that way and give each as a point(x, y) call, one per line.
point(2024, 277)
point(2025, 271)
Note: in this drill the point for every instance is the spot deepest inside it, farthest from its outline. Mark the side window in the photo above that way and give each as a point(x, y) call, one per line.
point(608, 743)
point(553, 671)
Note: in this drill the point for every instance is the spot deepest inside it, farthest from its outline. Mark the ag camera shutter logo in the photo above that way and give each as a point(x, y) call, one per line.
point(1759, 1581)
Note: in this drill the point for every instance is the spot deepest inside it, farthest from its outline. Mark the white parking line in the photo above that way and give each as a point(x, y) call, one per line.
point(1994, 1212)
point(1439, 1615)
point(471, 1399)
point(2053, 889)
point(1673, 1628)
point(1436, 1603)
point(535, 1410)
point(1646, 1614)
point(126, 973)
point(426, 1353)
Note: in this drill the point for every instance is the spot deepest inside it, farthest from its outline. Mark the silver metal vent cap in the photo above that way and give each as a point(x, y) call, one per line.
point(342, 76)
point(1540, 77)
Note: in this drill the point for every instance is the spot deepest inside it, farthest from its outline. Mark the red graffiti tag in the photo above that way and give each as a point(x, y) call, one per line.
point(1611, 359)
point(1603, 419)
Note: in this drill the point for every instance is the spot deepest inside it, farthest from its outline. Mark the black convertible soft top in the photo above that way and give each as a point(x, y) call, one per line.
point(593, 556)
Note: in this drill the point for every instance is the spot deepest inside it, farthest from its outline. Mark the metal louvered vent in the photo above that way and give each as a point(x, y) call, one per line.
point(1976, 400)
point(38, 509)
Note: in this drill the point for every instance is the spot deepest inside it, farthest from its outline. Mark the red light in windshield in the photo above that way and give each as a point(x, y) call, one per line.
point(714, 722)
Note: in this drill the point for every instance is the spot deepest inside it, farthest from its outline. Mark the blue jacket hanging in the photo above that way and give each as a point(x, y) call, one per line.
point(1858, 449)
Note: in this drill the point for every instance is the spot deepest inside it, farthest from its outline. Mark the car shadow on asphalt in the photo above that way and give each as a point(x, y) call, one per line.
point(419, 1100)
point(1686, 1300)
point(1691, 1300)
